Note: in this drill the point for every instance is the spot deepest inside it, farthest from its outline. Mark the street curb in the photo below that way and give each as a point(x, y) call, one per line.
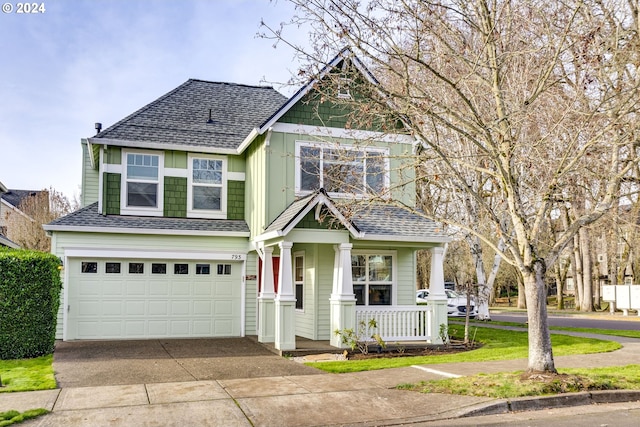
point(549, 402)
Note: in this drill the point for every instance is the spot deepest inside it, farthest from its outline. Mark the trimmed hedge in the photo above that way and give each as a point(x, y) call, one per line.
point(29, 299)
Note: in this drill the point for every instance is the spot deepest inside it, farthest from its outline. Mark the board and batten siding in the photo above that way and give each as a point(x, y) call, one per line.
point(256, 198)
point(280, 185)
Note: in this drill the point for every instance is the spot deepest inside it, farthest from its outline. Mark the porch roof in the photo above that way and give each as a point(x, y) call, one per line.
point(367, 222)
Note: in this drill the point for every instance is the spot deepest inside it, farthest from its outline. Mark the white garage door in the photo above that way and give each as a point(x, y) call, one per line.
point(114, 298)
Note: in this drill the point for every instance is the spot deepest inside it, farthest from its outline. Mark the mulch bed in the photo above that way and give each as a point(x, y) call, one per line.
point(376, 352)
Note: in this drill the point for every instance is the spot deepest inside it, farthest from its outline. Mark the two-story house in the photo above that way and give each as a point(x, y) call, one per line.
point(215, 211)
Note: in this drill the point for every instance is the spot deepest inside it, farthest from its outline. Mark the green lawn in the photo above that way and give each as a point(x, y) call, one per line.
point(612, 332)
point(512, 384)
point(497, 344)
point(27, 374)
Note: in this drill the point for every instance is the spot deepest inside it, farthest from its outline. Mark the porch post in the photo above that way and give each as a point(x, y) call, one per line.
point(267, 319)
point(285, 302)
point(343, 300)
point(437, 297)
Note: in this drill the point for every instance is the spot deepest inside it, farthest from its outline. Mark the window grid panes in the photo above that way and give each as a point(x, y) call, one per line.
point(89, 267)
point(136, 268)
point(181, 269)
point(341, 170)
point(158, 268)
point(298, 277)
point(207, 181)
point(142, 180)
point(203, 269)
point(112, 267)
point(372, 277)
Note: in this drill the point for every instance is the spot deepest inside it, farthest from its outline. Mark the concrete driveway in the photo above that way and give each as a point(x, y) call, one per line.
point(101, 363)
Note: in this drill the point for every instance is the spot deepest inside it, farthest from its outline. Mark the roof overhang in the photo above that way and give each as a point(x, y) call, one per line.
point(172, 232)
point(161, 146)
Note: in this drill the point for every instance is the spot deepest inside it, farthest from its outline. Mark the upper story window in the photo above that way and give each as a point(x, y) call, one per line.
point(207, 191)
point(341, 170)
point(142, 183)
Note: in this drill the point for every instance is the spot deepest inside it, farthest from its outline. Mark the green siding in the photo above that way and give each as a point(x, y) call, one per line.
point(111, 204)
point(90, 179)
point(256, 200)
point(235, 199)
point(113, 156)
point(236, 164)
point(175, 159)
point(175, 197)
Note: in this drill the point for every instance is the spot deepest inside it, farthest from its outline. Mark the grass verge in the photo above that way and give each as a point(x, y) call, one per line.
point(13, 417)
point(497, 344)
point(516, 384)
point(27, 374)
point(611, 332)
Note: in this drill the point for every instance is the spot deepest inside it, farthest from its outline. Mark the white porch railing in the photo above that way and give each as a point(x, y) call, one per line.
point(398, 323)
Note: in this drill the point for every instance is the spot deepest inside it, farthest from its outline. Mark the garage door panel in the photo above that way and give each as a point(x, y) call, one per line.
point(123, 305)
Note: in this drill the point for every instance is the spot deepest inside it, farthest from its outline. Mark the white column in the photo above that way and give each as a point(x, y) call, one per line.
point(343, 300)
point(266, 307)
point(437, 297)
point(285, 302)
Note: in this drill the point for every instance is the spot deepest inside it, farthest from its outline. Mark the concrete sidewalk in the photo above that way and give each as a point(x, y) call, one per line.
point(363, 398)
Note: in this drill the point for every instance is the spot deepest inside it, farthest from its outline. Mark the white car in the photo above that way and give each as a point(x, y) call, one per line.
point(456, 303)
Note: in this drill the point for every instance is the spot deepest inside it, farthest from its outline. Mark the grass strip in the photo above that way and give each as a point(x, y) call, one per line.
point(14, 417)
point(27, 374)
point(516, 384)
point(497, 344)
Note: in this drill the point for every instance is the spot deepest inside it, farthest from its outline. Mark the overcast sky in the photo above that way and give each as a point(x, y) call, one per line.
point(87, 61)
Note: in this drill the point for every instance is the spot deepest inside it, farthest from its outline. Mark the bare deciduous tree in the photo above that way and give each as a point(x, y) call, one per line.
point(530, 103)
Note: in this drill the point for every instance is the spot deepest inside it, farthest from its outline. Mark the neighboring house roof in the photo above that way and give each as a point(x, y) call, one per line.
point(371, 222)
point(8, 243)
point(88, 219)
point(180, 118)
point(15, 197)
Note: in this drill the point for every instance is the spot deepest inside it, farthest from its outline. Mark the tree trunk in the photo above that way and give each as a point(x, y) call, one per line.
point(559, 287)
point(522, 299)
point(577, 270)
point(587, 277)
point(540, 353)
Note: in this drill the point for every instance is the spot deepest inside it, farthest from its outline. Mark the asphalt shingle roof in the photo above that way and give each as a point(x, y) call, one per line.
point(373, 220)
point(89, 217)
point(15, 197)
point(180, 117)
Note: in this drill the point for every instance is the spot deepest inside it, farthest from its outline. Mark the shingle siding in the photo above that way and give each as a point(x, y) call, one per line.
point(235, 199)
point(112, 189)
point(175, 197)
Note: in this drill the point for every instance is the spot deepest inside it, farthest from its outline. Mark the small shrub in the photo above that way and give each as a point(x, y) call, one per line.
point(29, 299)
point(363, 337)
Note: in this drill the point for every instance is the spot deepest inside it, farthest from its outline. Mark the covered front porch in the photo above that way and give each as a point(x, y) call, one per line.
point(279, 310)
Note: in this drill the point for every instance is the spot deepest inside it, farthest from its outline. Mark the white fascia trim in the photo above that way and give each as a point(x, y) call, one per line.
point(248, 140)
point(108, 230)
point(161, 146)
point(330, 132)
point(239, 255)
point(92, 160)
point(403, 238)
point(268, 236)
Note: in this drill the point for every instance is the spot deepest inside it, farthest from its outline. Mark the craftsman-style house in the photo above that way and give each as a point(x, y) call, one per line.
point(215, 211)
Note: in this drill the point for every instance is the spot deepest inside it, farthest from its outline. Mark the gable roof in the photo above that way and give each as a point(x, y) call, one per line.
point(15, 197)
point(4, 241)
point(88, 219)
point(372, 222)
point(180, 119)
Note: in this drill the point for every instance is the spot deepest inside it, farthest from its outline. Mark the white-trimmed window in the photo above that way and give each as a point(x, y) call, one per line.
point(343, 171)
point(142, 177)
point(373, 278)
point(207, 189)
point(298, 279)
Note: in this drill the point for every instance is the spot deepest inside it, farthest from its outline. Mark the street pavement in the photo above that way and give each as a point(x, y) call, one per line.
point(116, 384)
